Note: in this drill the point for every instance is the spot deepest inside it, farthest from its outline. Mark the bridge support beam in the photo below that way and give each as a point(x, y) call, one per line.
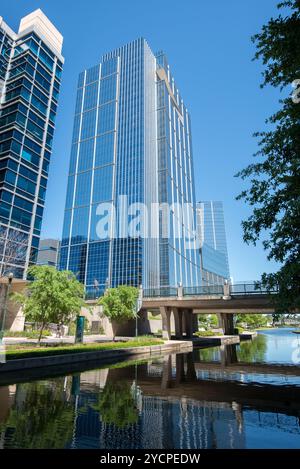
point(190, 368)
point(179, 368)
point(228, 354)
point(167, 372)
point(166, 323)
point(188, 320)
point(177, 313)
point(195, 322)
point(226, 323)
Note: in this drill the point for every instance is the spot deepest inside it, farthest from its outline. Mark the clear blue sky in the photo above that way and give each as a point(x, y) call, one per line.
point(209, 50)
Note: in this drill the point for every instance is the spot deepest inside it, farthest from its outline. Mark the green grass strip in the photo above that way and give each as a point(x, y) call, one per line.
point(14, 354)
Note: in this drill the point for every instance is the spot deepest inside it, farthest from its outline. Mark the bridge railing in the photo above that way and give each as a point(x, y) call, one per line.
point(254, 288)
point(203, 290)
point(227, 290)
point(160, 292)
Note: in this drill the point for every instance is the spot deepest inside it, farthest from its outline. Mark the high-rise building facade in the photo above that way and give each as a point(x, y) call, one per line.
point(131, 150)
point(213, 243)
point(48, 252)
point(30, 74)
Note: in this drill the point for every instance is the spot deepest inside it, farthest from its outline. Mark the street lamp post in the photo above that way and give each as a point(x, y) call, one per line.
point(138, 306)
point(106, 286)
point(96, 287)
point(10, 278)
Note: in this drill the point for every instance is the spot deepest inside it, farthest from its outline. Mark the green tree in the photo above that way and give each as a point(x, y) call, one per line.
point(208, 321)
point(274, 192)
point(52, 297)
point(253, 351)
point(213, 320)
point(117, 405)
point(277, 317)
point(119, 304)
point(41, 418)
point(252, 320)
point(203, 321)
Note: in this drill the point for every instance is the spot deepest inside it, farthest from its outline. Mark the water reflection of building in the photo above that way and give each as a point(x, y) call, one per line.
point(186, 423)
point(162, 423)
point(171, 407)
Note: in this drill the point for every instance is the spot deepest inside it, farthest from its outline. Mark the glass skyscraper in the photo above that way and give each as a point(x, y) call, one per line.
point(132, 150)
point(30, 74)
point(213, 243)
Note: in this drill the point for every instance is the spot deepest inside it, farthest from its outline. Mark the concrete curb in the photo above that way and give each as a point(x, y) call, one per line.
point(217, 340)
point(56, 360)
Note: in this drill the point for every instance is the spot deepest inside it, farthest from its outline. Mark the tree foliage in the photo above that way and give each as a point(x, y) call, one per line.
point(42, 418)
point(253, 351)
point(117, 405)
point(274, 192)
point(208, 320)
point(252, 320)
point(52, 297)
point(119, 304)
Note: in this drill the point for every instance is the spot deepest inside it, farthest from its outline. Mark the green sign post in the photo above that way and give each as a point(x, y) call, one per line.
point(79, 329)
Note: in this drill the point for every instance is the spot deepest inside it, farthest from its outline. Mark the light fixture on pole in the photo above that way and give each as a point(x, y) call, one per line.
point(138, 306)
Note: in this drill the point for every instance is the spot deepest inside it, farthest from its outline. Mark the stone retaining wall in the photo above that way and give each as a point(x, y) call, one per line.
point(57, 360)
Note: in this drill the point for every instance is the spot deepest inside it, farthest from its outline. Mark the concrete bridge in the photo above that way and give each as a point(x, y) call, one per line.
point(184, 303)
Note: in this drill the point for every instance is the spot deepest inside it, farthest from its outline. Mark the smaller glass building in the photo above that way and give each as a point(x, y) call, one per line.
point(48, 252)
point(213, 243)
point(30, 74)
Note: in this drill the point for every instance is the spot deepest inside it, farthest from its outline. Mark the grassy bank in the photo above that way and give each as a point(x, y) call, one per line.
point(15, 353)
point(207, 334)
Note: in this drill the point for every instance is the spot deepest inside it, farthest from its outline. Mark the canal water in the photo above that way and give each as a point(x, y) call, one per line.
point(245, 396)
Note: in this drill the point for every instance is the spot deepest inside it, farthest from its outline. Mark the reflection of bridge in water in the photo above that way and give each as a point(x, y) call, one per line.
point(182, 378)
point(228, 362)
point(175, 407)
point(204, 413)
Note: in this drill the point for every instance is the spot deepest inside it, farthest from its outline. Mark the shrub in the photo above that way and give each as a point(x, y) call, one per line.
point(207, 333)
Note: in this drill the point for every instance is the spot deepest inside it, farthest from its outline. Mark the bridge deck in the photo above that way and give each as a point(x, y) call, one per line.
point(259, 303)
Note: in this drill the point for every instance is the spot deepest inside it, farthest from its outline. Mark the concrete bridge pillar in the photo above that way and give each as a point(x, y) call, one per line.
point(226, 323)
point(166, 323)
point(167, 372)
point(179, 368)
point(228, 354)
point(177, 313)
point(188, 319)
point(194, 322)
point(190, 367)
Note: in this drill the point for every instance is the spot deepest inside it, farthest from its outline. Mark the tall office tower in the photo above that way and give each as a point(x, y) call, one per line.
point(213, 244)
point(30, 73)
point(131, 145)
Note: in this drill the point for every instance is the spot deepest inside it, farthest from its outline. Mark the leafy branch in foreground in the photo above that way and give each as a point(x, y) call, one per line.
point(274, 192)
